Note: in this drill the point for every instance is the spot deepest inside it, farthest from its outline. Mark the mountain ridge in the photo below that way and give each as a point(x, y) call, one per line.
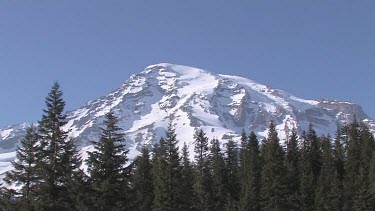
point(192, 98)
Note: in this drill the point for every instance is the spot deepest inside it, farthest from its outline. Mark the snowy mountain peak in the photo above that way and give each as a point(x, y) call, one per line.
point(192, 98)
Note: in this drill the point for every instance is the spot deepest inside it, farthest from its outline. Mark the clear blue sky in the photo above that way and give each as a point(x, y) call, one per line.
point(312, 49)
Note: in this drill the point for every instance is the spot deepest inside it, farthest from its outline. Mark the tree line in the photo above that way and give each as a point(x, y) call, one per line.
point(308, 172)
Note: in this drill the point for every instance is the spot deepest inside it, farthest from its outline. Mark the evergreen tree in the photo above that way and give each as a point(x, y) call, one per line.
point(250, 186)
point(273, 177)
point(338, 159)
point(306, 177)
point(324, 198)
point(309, 167)
point(9, 202)
point(243, 152)
point(315, 153)
point(59, 161)
point(25, 171)
point(142, 182)
point(107, 168)
point(168, 174)
point(187, 183)
point(291, 162)
point(159, 165)
point(202, 182)
point(363, 198)
point(231, 161)
point(372, 180)
point(218, 174)
point(352, 165)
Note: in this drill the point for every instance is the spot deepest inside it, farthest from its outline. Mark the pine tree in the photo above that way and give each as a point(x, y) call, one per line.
point(352, 165)
point(187, 182)
point(243, 152)
point(291, 162)
point(25, 171)
point(273, 177)
point(250, 187)
point(218, 175)
point(143, 182)
point(167, 171)
point(315, 153)
point(107, 168)
point(159, 165)
point(8, 202)
point(202, 179)
point(231, 161)
point(324, 198)
point(309, 167)
point(306, 177)
point(363, 199)
point(338, 159)
point(59, 161)
point(372, 180)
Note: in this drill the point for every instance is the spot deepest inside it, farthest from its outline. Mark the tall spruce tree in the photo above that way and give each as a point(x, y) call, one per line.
point(250, 186)
point(167, 186)
point(59, 161)
point(159, 165)
point(273, 177)
point(142, 182)
point(372, 180)
point(25, 170)
point(218, 175)
point(309, 167)
point(202, 182)
point(231, 161)
point(107, 168)
point(325, 196)
point(363, 199)
point(338, 156)
point(315, 153)
point(352, 165)
point(291, 161)
point(187, 182)
point(242, 158)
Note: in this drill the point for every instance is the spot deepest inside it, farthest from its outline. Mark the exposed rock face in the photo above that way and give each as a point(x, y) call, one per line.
point(192, 98)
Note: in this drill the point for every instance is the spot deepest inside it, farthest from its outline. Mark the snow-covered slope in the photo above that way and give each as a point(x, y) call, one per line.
point(192, 98)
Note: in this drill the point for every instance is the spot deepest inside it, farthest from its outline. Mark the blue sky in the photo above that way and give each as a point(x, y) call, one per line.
point(312, 49)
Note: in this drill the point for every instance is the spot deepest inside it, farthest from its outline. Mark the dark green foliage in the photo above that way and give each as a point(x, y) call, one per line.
point(159, 173)
point(25, 169)
point(309, 168)
point(202, 182)
point(338, 159)
point(325, 195)
point(291, 162)
point(242, 158)
point(273, 178)
point(315, 174)
point(218, 174)
point(59, 161)
point(232, 171)
point(142, 182)
point(352, 165)
point(372, 180)
point(107, 168)
point(363, 198)
point(187, 190)
point(315, 152)
point(167, 173)
point(250, 182)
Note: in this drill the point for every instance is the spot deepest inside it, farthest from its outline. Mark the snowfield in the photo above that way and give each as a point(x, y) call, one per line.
point(192, 99)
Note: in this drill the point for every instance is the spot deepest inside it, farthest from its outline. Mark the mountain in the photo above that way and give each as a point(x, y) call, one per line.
point(192, 98)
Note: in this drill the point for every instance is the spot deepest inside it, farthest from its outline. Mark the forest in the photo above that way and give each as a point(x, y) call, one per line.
point(308, 172)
